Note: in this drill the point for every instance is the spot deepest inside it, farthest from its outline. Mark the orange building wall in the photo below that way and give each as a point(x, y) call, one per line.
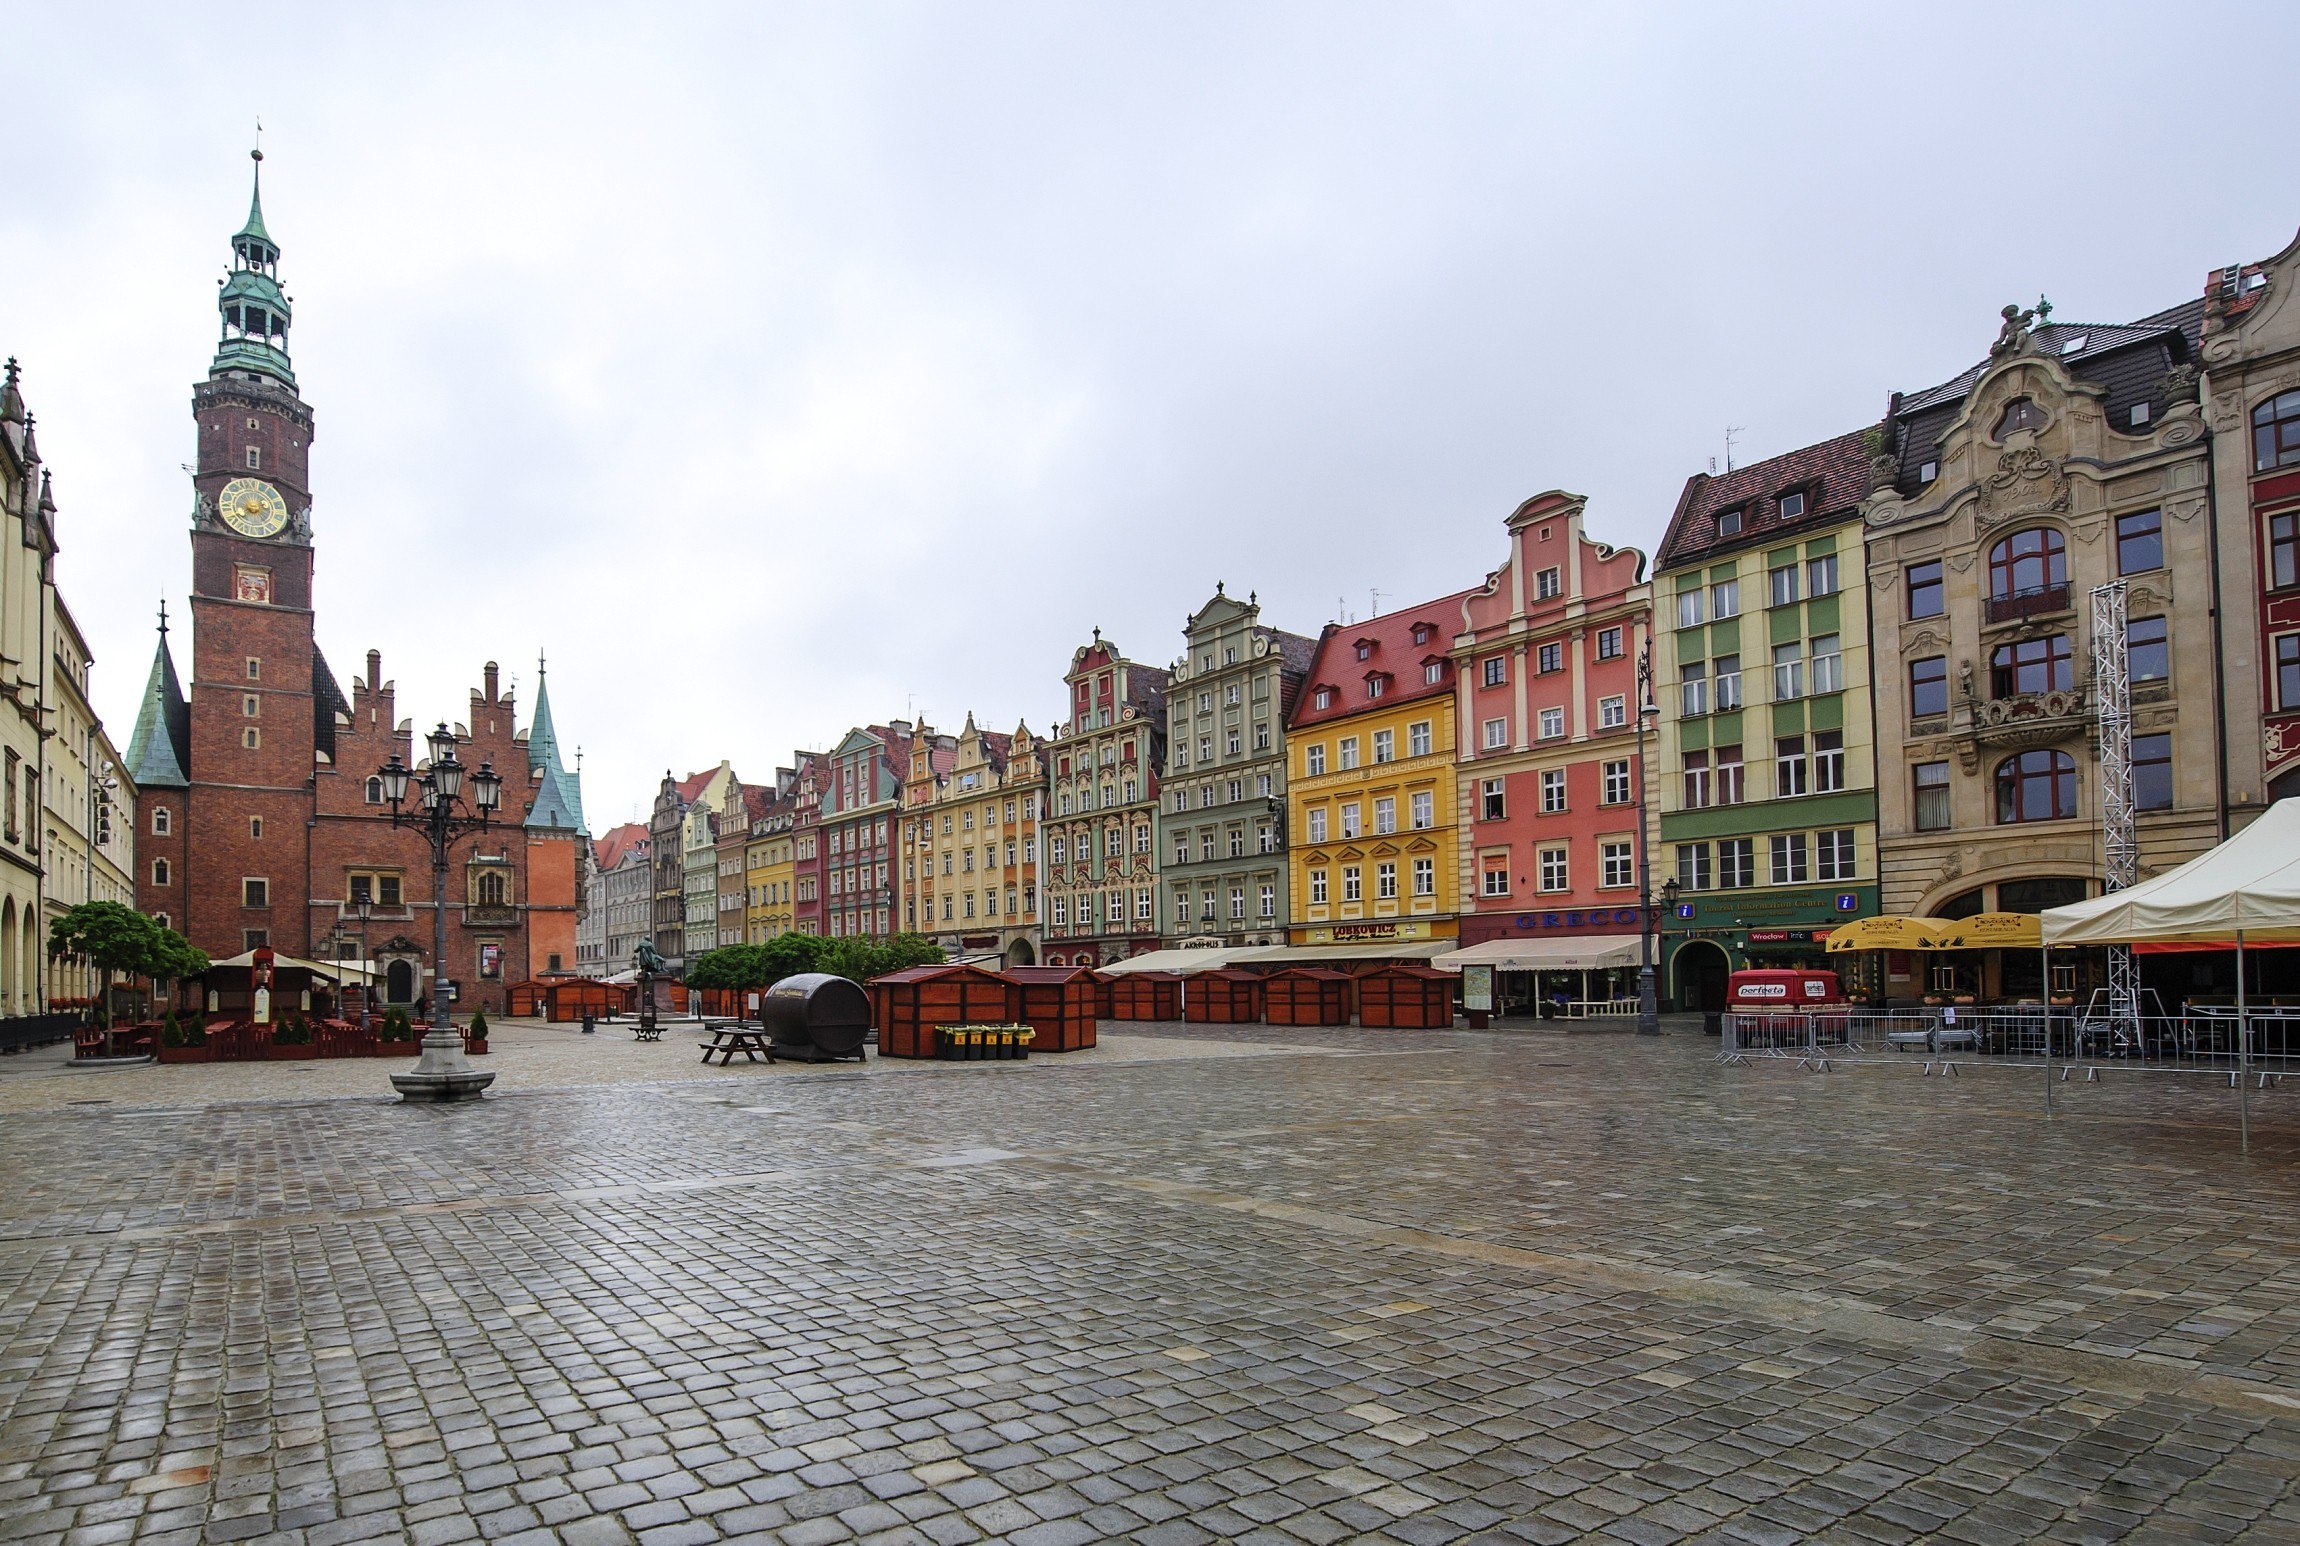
point(551, 901)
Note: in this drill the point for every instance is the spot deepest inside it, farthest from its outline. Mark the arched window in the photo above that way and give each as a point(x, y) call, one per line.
point(160, 821)
point(2036, 786)
point(2020, 413)
point(2276, 433)
point(375, 791)
point(2027, 563)
point(2032, 665)
point(159, 872)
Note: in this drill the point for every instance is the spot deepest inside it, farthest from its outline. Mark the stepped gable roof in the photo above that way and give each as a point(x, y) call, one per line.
point(609, 850)
point(160, 751)
point(1833, 475)
point(1391, 655)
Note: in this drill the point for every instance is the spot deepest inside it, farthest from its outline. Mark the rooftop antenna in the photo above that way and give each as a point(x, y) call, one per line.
point(1732, 430)
point(1375, 593)
point(1713, 467)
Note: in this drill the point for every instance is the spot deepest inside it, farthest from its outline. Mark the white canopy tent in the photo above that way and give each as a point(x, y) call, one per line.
point(1183, 960)
point(1546, 953)
point(2247, 889)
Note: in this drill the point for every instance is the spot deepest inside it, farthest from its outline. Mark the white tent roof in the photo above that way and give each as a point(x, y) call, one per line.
point(1546, 953)
point(333, 971)
point(1311, 955)
point(1200, 959)
point(2251, 883)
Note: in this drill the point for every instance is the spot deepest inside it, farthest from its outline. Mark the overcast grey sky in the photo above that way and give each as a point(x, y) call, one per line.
point(779, 368)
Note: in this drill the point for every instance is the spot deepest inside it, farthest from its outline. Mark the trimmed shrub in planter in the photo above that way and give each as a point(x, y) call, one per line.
point(475, 1037)
point(291, 1039)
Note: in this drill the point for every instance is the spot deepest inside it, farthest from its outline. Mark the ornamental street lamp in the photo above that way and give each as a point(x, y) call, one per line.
point(443, 1072)
point(1648, 718)
point(363, 907)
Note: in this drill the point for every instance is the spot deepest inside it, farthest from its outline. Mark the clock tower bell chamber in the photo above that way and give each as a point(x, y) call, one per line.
point(253, 718)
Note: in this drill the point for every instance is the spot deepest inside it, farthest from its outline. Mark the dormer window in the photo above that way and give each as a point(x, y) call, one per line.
point(1365, 649)
point(1421, 633)
point(1729, 523)
point(1792, 505)
point(2020, 413)
point(2075, 345)
point(1323, 698)
point(1928, 471)
point(1377, 684)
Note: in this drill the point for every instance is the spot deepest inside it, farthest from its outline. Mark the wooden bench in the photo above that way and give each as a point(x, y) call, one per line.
point(729, 1037)
point(645, 1032)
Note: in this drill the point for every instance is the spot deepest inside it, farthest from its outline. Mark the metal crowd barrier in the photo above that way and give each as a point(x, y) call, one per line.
point(2081, 1042)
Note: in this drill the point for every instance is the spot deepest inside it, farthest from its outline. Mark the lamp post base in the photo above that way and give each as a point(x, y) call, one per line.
point(443, 1072)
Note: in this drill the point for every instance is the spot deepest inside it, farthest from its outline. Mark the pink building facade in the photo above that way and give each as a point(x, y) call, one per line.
point(1546, 696)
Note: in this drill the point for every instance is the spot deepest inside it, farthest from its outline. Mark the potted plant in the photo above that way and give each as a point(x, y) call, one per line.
point(475, 1038)
point(181, 1045)
point(398, 1038)
point(291, 1038)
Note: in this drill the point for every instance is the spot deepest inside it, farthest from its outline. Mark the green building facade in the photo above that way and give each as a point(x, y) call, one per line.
point(1765, 767)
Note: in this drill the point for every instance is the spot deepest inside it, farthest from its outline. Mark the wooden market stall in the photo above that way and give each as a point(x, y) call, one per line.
point(1405, 997)
point(1224, 996)
point(567, 999)
point(911, 1004)
point(1306, 995)
point(1057, 1003)
point(1146, 996)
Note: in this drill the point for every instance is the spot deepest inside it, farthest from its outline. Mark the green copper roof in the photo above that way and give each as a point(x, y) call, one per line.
point(255, 225)
point(255, 311)
point(159, 752)
point(559, 794)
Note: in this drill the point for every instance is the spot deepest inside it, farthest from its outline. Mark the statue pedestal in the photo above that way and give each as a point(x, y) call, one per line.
point(443, 1072)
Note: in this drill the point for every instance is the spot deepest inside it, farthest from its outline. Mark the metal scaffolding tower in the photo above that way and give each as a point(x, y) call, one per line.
point(2120, 845)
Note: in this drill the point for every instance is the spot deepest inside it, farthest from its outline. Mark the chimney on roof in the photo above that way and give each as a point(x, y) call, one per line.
point(374, 670)
point(489, 677)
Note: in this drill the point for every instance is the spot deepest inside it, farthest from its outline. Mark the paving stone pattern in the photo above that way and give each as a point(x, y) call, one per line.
point(1395, 1287)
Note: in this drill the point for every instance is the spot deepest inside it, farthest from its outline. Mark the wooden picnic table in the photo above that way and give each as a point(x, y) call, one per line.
point(729, 1037)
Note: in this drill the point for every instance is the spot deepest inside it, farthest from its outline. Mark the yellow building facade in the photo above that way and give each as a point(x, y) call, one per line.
point(769, 876)
point(1374, 836)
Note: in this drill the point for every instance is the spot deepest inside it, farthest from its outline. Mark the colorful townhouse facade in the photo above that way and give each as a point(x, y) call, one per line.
point(1101, 855)
point(767, 865)
point(810, 769)
point(1222, 829)
point(2249, 349)
point(2072, 458)
point(861, 817)
point(1766, 775)
point(971, 826)
point(1375, 855)
point(1545, 659)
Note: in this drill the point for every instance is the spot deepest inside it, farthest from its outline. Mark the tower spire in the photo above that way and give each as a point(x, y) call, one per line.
point(558, 794)
point(255, 311)
point(159, 753)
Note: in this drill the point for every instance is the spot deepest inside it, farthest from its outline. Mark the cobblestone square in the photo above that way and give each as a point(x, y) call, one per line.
point(1275, 1286)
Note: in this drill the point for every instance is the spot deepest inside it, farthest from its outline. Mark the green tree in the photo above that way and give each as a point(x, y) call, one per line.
point(114, 937)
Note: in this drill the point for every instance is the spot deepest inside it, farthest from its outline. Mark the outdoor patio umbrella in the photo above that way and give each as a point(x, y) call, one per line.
point(1889, 931)
point(1992, 931)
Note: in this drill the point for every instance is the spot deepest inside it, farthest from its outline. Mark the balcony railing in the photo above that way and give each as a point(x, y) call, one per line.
point(2028, 603)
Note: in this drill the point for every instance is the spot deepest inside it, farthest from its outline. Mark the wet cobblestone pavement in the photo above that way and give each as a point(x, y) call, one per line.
point(1395, 1287)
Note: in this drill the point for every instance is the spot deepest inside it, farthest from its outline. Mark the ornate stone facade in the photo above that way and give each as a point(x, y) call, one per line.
point(2068, 461)
point(1101, 861)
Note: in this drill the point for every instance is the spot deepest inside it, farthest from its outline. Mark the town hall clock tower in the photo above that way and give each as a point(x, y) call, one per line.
point(254, 721)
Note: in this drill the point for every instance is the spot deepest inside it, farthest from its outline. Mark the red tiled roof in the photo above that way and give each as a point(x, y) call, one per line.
point(609, 850)
point(690, 787)
point(1833, 474)
point(1392, 652)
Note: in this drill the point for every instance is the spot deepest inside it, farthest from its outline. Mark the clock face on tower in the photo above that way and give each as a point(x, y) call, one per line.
point(253, 508)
